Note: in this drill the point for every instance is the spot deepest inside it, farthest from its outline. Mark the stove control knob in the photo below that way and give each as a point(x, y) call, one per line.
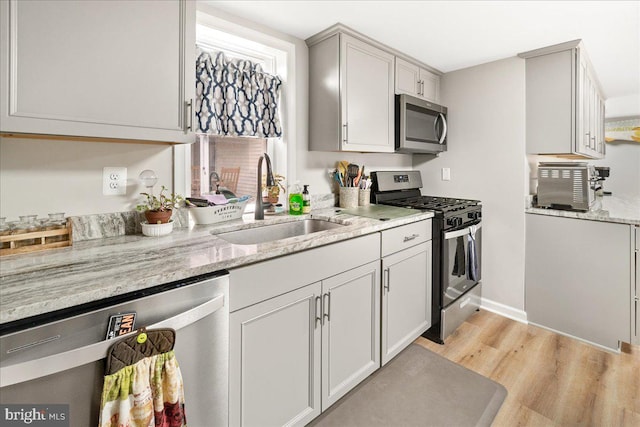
point(451, 222)
point(459, 221)
point(474, 215)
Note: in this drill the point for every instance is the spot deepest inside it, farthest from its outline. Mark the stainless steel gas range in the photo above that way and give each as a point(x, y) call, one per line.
point(457, 247)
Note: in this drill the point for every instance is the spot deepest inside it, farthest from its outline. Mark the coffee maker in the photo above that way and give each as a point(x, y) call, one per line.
point(602, 172)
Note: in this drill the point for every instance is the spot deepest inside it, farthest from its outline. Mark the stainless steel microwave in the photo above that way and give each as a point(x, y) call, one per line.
point(421, 126)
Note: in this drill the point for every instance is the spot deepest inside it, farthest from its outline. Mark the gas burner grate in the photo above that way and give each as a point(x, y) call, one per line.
point(439, 204)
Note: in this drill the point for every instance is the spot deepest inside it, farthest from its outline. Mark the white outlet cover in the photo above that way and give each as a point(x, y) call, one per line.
point(446, 174)
point(114, 181)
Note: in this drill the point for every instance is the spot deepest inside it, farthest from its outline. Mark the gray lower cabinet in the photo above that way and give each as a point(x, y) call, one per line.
point(298, 353)
point(304, 330)
point(350, 330)
point(578, 276)
point(406, 298)
point(406, 286)
point(275, 361)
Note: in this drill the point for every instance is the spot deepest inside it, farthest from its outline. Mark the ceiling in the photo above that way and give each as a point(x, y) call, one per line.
point(451, 35)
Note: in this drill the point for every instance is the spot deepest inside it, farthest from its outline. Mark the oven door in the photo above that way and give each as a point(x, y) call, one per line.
point(461, 257)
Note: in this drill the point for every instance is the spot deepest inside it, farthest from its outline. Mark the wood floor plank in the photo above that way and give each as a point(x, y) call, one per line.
point(552, 380)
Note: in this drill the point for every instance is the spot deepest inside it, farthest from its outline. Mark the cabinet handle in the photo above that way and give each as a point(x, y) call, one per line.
point(410, 238)
point(345, 133)
point(422, 84)
point(419, 87)
point(327, 306)
point(189, 118)
point(318, 309)
point(385, 279)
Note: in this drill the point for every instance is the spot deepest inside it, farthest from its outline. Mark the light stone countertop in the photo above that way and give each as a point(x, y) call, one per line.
point(621, 209)
point(42, 282)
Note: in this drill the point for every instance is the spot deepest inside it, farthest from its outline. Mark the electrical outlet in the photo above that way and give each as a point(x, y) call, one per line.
point(446, 174)
point(114, 181)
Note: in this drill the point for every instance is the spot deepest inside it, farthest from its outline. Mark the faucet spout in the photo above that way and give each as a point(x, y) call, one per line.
point(270, 182)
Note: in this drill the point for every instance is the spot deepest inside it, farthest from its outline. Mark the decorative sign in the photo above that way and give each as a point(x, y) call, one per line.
point(627, 129)
point(120, 324)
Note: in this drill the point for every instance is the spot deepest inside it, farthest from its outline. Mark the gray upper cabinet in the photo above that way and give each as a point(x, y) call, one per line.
point(416, 81)
point(351, 95)
point(565, 106)
point(104, 69)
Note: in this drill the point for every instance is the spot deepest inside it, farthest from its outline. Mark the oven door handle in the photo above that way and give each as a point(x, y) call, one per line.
point(463, 232)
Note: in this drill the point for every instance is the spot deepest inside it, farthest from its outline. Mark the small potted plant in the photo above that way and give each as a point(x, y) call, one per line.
point(272, 194)
point(158, 209)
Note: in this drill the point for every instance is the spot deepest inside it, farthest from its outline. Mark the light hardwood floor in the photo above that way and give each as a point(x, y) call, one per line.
point(552, 380)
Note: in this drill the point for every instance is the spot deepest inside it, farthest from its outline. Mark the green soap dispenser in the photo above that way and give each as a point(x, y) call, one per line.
point(295, 199)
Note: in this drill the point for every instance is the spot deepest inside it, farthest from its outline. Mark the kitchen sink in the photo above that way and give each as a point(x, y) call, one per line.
point(273, 232)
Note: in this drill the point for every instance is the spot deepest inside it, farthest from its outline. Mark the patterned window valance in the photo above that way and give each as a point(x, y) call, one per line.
point(234, 97)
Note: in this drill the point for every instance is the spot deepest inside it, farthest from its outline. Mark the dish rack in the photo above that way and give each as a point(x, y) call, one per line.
point(220, 213)
point(36, 241)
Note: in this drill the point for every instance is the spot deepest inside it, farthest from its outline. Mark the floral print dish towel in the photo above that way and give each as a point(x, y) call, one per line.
point(148, 393)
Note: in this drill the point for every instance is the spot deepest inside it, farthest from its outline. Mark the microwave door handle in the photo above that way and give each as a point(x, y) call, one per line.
point(444, 130)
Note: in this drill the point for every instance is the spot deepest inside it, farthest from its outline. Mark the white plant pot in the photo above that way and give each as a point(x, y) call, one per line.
point(156, 230)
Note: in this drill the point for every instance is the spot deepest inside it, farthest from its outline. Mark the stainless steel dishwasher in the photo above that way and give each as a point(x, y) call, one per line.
point(59, 358)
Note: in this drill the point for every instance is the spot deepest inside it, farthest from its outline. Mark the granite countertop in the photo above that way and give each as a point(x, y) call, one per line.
point(621, 209)
point(42, 282)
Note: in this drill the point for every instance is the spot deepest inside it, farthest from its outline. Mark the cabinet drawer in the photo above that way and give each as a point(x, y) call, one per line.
point(399, 238)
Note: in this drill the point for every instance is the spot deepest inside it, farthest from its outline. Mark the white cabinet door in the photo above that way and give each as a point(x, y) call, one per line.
point(367, 80)
point(351, 330)
point(98, 68)
point(274, 370)
point(430, 85)
point(416, 81)
point(406, 298)
point(407, 78)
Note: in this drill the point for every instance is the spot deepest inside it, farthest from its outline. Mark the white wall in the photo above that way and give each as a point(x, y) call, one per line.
point(45, 176)
point(623, 106)
point(623, 157)
point(486, 155)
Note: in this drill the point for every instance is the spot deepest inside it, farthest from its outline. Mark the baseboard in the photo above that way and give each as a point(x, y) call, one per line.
point(503, 310)
point(615, 350)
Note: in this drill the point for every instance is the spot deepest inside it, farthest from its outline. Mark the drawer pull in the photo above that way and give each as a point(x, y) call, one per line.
point(410, 238)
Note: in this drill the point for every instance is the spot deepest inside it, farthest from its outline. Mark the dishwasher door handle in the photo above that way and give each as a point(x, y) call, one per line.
point(32, 369)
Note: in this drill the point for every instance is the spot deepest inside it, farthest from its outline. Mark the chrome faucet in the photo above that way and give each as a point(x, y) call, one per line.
point(259, 210)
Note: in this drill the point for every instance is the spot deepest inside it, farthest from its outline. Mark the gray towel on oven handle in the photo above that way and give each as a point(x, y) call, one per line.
point(459, 261)
point(472, 271)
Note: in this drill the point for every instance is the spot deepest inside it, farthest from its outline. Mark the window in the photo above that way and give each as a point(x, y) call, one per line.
point(228, 155)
